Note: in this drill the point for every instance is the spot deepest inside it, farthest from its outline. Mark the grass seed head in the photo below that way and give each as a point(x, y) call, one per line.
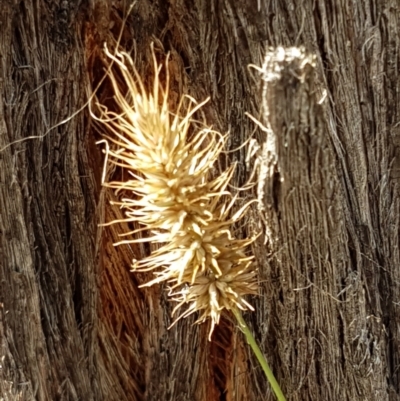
point(175, 197)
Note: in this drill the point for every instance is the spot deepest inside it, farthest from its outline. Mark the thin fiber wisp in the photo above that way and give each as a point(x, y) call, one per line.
point(174, 197)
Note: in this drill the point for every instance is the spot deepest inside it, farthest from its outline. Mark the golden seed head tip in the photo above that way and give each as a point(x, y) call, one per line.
point(210, 295)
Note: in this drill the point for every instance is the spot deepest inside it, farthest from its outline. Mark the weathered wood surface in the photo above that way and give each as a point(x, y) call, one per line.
point(73, 323)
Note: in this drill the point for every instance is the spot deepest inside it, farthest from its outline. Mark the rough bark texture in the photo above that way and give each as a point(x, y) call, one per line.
point(73, 322)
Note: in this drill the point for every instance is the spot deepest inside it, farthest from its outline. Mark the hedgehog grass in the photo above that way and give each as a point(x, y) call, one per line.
point(174, 196)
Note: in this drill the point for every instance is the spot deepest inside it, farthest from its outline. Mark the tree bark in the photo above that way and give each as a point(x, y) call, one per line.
point(74, 323)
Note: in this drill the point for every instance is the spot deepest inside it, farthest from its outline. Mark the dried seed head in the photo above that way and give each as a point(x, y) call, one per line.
point(172, 194)
point(210, 294)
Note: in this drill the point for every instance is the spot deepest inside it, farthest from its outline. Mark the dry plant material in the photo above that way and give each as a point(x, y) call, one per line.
point(173, 196)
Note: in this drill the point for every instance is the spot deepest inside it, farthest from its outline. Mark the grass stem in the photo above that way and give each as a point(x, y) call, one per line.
point(259, 355)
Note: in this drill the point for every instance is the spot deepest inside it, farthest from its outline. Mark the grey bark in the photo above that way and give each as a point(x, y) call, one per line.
point(73, 322)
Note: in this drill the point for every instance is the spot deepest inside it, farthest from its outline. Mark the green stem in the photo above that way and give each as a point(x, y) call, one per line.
point(259, 355)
